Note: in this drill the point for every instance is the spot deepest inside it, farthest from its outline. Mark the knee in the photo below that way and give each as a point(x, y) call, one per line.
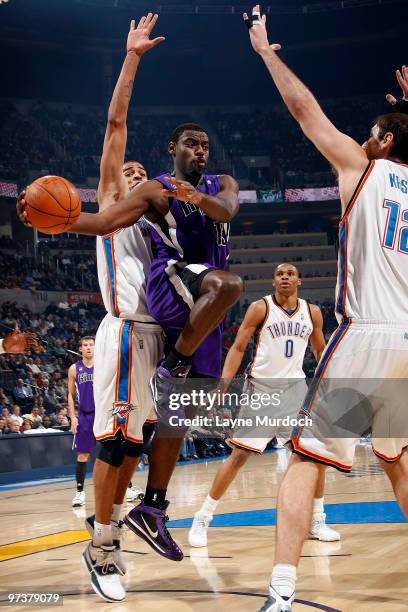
point(229, 286)
point(239, 457)
point(82, 457)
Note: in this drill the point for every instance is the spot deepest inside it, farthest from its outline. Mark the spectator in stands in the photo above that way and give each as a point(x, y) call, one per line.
point(16, 414)
point(26, 426)
point(3, 398)
point(3, 425)
point(13, 427)
point(34, 416)
point(23, 394)
point(5, 412)
point(46, 423)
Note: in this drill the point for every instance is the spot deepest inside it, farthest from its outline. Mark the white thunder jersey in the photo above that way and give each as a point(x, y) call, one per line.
point(123, 260)
point(372, 281)
point(281, 342)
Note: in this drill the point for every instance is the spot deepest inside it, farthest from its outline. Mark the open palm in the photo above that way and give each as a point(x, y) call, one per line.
point(138, 38)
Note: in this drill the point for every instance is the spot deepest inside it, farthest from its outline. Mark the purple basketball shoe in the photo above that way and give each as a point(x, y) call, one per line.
point(150, 524)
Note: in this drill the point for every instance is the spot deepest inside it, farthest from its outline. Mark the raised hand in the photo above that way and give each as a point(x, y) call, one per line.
point(257, 31)
point(18, 342)
point(183, 191)
point(402, 78)
point(20, 209)
point(138, 38)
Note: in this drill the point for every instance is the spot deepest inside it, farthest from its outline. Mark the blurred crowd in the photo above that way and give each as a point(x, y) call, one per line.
point(58, 139)
point(33, 387)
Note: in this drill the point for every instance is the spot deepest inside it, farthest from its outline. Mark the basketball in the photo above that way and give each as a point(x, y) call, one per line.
point(53, 204)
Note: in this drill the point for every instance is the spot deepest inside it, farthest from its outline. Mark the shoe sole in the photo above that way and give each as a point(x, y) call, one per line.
point(94, 582)
point(134, 528)
point(311, 537)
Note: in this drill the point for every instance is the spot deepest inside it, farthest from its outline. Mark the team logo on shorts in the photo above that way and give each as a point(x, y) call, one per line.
point(122, 409)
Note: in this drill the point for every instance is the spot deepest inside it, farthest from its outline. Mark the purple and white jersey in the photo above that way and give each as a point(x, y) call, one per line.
point(84, 385)
point(186, 234)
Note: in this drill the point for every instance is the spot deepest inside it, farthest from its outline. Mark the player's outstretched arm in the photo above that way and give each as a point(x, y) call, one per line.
point(343, 152)
point(70, 398)
point(112, 181)
point(125, 212)
point(253, 319)
point(400, 105)
point(221, 208)
point(317, 337)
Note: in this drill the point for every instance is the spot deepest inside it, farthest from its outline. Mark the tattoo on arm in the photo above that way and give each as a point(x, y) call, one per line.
point(130, 89)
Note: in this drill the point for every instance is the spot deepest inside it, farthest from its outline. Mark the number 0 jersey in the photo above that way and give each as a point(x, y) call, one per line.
point(281, 342)
point(372, 281)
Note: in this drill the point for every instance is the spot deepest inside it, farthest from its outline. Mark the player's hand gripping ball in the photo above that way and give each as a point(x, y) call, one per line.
point(51, 204)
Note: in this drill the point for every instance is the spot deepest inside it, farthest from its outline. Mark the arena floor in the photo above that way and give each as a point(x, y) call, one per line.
point(42, 539)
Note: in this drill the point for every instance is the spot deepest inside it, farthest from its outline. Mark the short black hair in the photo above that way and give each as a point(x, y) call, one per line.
point(397, 124)
point(285, 263)
point(177, 132)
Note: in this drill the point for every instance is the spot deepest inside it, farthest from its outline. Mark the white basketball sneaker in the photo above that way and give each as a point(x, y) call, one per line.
point(100, 562)
point(277, 603)
point(134, 494)
point(320, 531)
point(78, 499)
point(116, 528)
point(197, 536)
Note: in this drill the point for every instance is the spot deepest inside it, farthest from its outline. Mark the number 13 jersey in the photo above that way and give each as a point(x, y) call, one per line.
point(372, 280)
point(281, 342)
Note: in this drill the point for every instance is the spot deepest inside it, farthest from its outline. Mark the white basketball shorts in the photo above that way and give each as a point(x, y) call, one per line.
point(269, 418)
point(126, 356)
point(360, 384)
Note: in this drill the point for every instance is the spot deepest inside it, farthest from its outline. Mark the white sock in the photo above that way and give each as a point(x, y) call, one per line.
point(209, 505)
point(116, 512)
point(318, 505)
point(283, 579)
point(102, 535)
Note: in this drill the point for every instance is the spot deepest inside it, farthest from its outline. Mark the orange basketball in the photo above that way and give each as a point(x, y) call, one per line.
point(53, 204)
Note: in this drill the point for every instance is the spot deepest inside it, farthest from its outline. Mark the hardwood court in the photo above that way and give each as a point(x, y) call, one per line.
point(42, 539)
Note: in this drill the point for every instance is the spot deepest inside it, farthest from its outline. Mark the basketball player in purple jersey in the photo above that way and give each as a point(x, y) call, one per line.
point(80, 387)
point(189, 292)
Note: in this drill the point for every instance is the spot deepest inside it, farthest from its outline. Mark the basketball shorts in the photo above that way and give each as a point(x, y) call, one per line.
point(272, 412)
point(84, 438)
point(126, 356)
point(172, 289)
point(360, 384)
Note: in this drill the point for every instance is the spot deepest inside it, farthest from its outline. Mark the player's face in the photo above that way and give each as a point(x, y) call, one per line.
point(286, 280)
point(191, 152)
point(134, 174)
point(87, 349)
point(376, 148)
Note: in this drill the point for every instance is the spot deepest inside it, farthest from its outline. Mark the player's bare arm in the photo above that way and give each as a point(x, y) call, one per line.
point(112, 184)
point(70, 398)
point(317, 340)
point(344, 153)
point(253, 319)
point(222, 208)
point(400, 105)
